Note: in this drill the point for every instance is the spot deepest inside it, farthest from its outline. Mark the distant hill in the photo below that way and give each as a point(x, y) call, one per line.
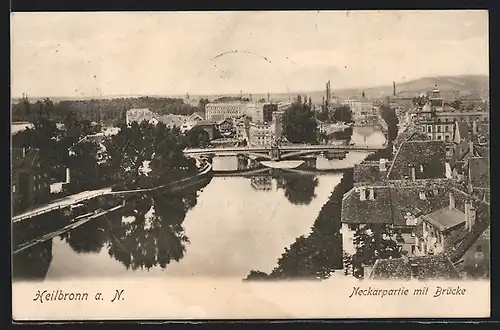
point(450, 87)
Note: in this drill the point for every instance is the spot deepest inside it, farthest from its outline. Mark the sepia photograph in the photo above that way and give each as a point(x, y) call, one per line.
point(250, 164)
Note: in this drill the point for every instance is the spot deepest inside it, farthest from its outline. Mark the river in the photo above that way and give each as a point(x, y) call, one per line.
point(231, 226)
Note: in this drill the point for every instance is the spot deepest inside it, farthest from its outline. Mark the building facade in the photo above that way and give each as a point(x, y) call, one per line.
point(220, 111)
point(260, 134)
point(30, 182)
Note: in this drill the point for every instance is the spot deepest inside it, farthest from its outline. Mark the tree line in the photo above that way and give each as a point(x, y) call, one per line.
point(105, 111)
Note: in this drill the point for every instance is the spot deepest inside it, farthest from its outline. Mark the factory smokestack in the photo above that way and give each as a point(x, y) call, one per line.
point(394, 88)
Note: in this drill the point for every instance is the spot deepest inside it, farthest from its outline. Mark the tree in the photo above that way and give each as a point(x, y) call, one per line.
point(198, 138)
point(262, 100)
point(388, 114)
point(201, 105)
point(299, 124)
point(372, 242)
point(158, 146)
point(154, 235)
point(84, 169)
point(363, 94)
point(342, 113)
point(299, 189)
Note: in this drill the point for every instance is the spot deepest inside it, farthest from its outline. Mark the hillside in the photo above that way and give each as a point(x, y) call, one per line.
point(473, 85)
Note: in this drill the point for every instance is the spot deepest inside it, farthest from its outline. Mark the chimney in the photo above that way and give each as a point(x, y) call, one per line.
point(474, 127)
point(371, 194)
point(413, 176)
point(470, 215)
point(452, 201)
point(471, 149)
point(67, 175)
point(362, 194)
point(414, 270)
point(24, 152)
point(382, 165)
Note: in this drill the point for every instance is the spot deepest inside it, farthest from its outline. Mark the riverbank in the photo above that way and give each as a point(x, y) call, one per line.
point(318, 255)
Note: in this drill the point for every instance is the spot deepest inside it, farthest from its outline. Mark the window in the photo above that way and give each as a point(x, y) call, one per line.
point(439, 137)
point(14, 189)
point(446, 119)
point(446, 128)
point(413, 249)
point(479, 248)
point(421, 195)
point(439, 129)
point(447, 138)
point(428, 129)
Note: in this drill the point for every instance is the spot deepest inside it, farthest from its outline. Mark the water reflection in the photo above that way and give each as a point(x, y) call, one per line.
point(32, 263)
point(298, 188)
point(150, 232)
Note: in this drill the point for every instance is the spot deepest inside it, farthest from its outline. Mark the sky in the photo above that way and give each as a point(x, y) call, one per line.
point(153, 53)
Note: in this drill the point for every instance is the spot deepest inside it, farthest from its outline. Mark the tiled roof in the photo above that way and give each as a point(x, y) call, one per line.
point(430, 154)
point(395, 201)
point(406, 200)
point(445, 218)
point(204, 123)
point(412, 133)
point(438, 267)
point(461, 150)
point(479, 172)
point(378, 210)
point(369, 172)
point(463, 130)
point(26, 162)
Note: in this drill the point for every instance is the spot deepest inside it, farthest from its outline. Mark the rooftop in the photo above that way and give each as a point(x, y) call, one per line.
point(438, 267)
point(445, 218)
point(479, 172)
point(369, 172)
point(23, 159)
point(431, 154)
point(394, 202)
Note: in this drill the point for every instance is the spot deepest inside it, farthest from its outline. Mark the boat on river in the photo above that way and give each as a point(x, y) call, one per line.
point(283, 164)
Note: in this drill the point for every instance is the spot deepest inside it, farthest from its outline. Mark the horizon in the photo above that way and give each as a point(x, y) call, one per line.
point(85, 55)
point(361, 88)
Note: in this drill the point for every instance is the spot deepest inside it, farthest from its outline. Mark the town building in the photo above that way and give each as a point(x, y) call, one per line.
point(226, 127)
point(242, 126)
point(220, 111)
point(30, 181)
point(439, 230)
point(475, 262)
point(419, 160)
point(438, 119)
point(360, 108)
point(260, 134)
point(208, 126)
point(262, 183)
point(140, 115)
point(20, 126)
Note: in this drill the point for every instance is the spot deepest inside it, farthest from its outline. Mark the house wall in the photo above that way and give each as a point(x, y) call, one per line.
point(348, 238)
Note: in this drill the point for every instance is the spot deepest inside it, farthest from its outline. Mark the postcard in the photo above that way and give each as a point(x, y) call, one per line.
point(250, 165)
